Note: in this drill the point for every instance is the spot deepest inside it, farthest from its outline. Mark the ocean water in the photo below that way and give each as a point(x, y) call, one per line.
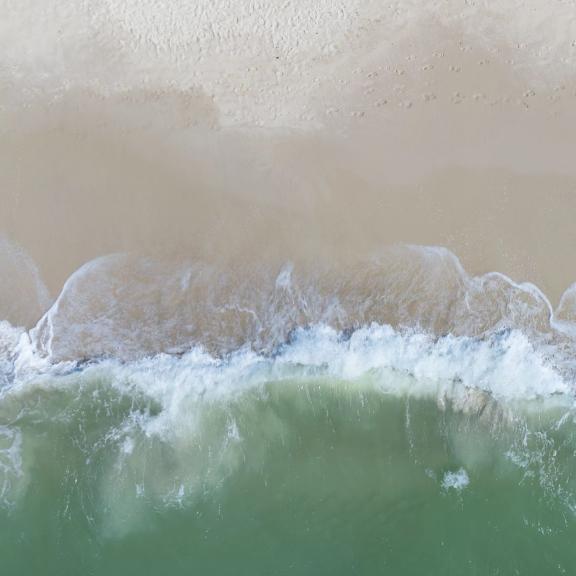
point(373, 451)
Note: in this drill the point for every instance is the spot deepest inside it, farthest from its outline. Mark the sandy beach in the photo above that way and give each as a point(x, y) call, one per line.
point(287, 287)
point(437, 138)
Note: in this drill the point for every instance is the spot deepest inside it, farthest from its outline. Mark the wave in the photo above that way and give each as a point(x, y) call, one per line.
point(128, 308)
point(161, 431)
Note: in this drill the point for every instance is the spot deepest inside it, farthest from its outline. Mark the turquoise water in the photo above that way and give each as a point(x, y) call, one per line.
point(288, 470)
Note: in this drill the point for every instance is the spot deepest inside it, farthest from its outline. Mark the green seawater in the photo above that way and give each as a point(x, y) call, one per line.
point(304, 476)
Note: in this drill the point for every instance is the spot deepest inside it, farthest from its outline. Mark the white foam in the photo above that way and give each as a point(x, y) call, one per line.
point(9, 338)
point(11, 471)
point(506, 365)
point(456, 480)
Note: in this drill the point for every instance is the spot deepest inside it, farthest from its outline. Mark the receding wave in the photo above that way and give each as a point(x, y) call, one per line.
point(128, 307)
